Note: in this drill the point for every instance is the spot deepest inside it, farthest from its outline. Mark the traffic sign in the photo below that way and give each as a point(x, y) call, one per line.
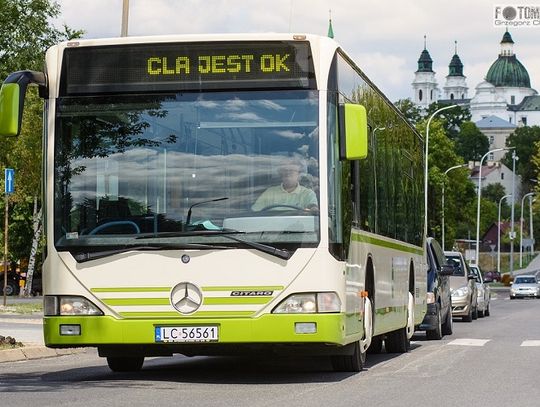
point(9, 178)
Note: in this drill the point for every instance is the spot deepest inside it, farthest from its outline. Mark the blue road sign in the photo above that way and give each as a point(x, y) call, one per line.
point(9, 178)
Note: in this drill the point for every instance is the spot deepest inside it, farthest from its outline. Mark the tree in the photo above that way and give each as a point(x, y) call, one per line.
point(524, 139)
point(25, 35)
point(459, 190)
point(494, 192)
point(409, 109)
point(451, 118)
point(471, 143)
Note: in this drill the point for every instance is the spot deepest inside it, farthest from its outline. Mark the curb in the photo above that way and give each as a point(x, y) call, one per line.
point(35, 352)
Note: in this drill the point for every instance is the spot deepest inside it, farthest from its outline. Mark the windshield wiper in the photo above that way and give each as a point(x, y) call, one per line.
point(88, 256)
point(274, 251)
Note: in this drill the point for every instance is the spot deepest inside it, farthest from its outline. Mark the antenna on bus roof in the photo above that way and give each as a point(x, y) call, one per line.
point(330, 29)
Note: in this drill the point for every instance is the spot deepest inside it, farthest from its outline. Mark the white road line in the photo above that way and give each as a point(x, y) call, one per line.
point(531, 343)
point(469, 342)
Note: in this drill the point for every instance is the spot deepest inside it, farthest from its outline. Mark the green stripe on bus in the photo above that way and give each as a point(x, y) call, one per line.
point(205, 314)
point(243, 288)
point(129, 289)
point(236, 300)
point(136, 301)
point(384, 243)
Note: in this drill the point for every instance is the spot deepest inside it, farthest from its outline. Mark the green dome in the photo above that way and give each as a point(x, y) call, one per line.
point(509, 72)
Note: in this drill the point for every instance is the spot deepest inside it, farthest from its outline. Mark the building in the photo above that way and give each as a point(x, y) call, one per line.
point(495, 172)
point(505, 93)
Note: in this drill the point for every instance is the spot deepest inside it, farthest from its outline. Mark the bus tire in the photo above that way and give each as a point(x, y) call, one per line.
point(397, 341)
point(376, 345)
point(350, 363)
point(125, 364)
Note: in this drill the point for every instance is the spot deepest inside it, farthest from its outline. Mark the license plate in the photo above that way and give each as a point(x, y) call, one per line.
point(186, 333)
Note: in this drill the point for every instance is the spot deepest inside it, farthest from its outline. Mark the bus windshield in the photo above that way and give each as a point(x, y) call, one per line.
point(140, 165)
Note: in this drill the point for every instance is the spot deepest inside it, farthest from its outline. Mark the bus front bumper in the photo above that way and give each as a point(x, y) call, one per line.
point(106, 332)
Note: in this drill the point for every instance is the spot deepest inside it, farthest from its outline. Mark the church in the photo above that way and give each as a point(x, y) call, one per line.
point(502, 102)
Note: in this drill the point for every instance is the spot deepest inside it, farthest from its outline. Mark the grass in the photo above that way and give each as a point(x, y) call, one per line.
point(22, 308)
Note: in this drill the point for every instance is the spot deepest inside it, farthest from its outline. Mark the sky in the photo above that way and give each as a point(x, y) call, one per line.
point(384, 37)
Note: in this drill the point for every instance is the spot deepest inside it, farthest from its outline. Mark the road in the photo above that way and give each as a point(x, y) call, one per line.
point(493, 361)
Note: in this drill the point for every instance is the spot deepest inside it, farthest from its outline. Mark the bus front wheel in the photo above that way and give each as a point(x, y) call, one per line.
point(125, 364)
point(350, 363)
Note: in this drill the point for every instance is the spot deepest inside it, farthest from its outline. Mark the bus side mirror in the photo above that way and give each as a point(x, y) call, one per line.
point(12, 99)
point(353, 131)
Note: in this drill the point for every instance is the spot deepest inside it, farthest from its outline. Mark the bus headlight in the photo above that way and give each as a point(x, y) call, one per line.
point(69, 305)
point(309, 303)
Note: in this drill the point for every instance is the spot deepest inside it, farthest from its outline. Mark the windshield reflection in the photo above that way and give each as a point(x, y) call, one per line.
point(131, 166)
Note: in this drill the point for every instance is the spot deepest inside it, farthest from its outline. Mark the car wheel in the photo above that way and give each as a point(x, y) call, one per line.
point(436, 334)
point(486, 312)
point(468, 317)
point(447, 327)
point(475, 313)
point(11, 288)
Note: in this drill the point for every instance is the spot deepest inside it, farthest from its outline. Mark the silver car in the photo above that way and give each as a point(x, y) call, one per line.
point(484, 291)
point(525, 286)
point(463, 286)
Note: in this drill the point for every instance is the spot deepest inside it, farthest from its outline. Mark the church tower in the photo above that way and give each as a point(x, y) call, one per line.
point(425, 84)
point(456, 86)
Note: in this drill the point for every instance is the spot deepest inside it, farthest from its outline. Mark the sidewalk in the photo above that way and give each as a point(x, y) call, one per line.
point(532, 268)
point(28, 329)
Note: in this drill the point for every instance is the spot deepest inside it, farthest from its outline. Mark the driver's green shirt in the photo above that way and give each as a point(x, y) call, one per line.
point(300, 197)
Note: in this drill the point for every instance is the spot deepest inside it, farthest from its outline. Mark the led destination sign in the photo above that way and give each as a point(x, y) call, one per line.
point(187, 66)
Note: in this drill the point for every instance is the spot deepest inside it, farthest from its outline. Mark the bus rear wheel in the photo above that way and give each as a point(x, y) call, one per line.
point(125, 364)
point(350, 363)
point(397, 341)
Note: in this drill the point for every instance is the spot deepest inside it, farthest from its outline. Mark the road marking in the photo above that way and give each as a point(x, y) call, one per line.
point(469, 342)
point(531, 343)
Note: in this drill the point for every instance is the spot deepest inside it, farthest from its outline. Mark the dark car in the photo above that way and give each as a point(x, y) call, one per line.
point(491, 276)
point(12, 287)
point(438, 319)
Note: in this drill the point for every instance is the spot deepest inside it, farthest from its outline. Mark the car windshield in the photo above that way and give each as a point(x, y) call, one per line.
point(525, 280)
point(456, 262)
point(149, 164)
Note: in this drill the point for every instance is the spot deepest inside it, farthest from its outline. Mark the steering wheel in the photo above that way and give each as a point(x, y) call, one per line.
point(128, 223)
point(297, 208)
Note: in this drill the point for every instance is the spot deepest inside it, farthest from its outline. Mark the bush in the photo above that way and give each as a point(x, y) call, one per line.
point(506, 279)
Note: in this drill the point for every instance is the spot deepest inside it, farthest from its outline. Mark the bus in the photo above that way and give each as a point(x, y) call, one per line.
point(156, 150)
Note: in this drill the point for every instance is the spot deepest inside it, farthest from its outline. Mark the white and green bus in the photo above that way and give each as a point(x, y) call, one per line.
point(155, 152)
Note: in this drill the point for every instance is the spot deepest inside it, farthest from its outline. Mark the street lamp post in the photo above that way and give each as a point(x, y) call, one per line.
point(530, 194)
point(499, 234)
point(512, 231)
point(426, 165)
point(442, 203)
point(531, 225)
point(478, 205)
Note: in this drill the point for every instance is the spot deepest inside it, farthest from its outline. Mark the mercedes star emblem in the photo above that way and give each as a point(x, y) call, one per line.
point(186, 298)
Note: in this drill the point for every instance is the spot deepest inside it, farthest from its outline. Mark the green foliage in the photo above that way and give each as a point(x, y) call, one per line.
point(494, 192)
point(524, 140)
point(460, 208)
point(451, 119)
point(471, 143)
point(25, 34)
point(410, 110)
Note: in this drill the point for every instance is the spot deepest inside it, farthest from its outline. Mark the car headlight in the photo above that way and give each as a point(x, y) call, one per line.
point(430, 297)
point(309, 303)
point(460, 292)
point(512, 291)
point(69, 305)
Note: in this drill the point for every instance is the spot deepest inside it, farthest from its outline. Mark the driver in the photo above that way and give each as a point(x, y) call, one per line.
point(289, 192)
